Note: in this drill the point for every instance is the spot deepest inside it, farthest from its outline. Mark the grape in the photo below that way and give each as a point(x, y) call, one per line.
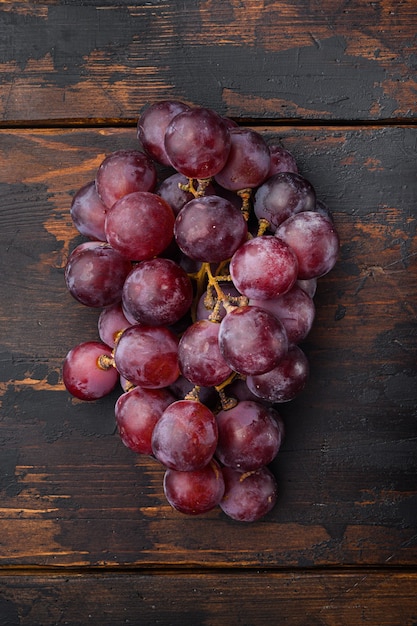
point(82, 375)
point(248, 496)
point(182, 387)
point(185, 437)
point(314, 240)
point(197, 143)
point(208, 301)
point(88, 212)
point(210, 229)
point(281, 161)
point(264, 267)
point(309, 285)
point(140, 225)
point(194, 492)
point(123, 172)
point(284, 382)
point(295, 309)
point(281, 196)
point(157, 292)
point(200, 359)
point(147, 356)
point(152, 125)
point(95, 274)
point(248, 163)
point(137, 412)
point(252, 340)
point(110, 323)
point(249, 437)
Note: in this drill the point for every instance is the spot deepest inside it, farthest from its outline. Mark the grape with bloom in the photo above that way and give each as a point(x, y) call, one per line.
point(204, 280)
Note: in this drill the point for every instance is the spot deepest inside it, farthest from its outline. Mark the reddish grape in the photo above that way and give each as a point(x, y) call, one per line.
point(88, 212)
point(82, 374)
point(252, 340)
point(185, 437)
point(147, 356)
point(194, 492)
point(285, 381)
point(137, 412)
point(248, 163)
point(123, 172)
point(95, 274)
point(249, 437)
point(210, 229)
point(152, 125)
point(295, 309)
point(281, 196)
point(157, 292)
point(314, 240)
point(197, 143)
point(281, 161)
point(200, 359)
point(140, 225)
point(264, 267)
point(110, 323)
point(248, 496)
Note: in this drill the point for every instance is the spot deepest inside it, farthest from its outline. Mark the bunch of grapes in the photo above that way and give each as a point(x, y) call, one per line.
point(205, 281)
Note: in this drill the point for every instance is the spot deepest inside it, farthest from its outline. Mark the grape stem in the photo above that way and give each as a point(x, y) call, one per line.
point(202, 184)
point(105, 362)
point(226, 401)
point(246, 195)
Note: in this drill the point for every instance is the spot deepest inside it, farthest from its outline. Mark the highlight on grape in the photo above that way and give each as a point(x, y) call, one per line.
point(205, 283)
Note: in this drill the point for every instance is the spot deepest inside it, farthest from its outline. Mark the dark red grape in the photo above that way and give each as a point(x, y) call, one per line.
point(140, 225)
point(194, 492)
point(157, 292)
point(110, 323)
point(264, 267)
point(252, 340)
point(197, 143)
point(210, 229)
point(123, 172)
point(147, 356)
point(249, 437)
point(248, 163)
point(95, 274)
point(82, 374)
point(248, 496)
point(152, 125)
point(285, 381)
point(185, 437)
point(137, 412)
point(314, 240)
point(281, 161)
point(88, 212)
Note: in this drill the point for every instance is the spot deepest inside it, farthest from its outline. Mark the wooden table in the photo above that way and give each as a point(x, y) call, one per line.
point(85, 533)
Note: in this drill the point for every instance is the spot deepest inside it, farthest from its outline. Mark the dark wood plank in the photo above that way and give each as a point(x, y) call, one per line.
point(71, 494)
point(358, 598)
point(295, 59)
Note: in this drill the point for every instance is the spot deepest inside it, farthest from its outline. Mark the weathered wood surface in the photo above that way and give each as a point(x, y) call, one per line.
point(328, 59)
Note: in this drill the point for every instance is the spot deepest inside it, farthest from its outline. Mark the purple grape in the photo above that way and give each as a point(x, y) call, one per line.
point(110, 323)
point(82, 374)
point(123, 172)
point(248, 496)
point(152, 125)
point(137, 412)
point(157, 292)
point(249, 437)
point(140, 225)
point(200, 359)
point(194, 492)
point(252, 340)
point(185, 437)
point(147, 356)
point(197, 143)
point(264, 267)
point(281, 196)
point(285, 381)
point(88, 212)
point(248, 163)
point(95, 274)
point(314, 240)
point(210, 229)
point(281, 161)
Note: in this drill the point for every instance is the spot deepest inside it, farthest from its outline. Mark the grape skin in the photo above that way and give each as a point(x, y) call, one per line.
point(194, 492)
point(88, 212)
point(82, 375)
point(248, 496)
point(111, 322)
point(152, 125)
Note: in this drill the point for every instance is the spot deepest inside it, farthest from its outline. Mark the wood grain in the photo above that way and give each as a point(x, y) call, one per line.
point(259, 60)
